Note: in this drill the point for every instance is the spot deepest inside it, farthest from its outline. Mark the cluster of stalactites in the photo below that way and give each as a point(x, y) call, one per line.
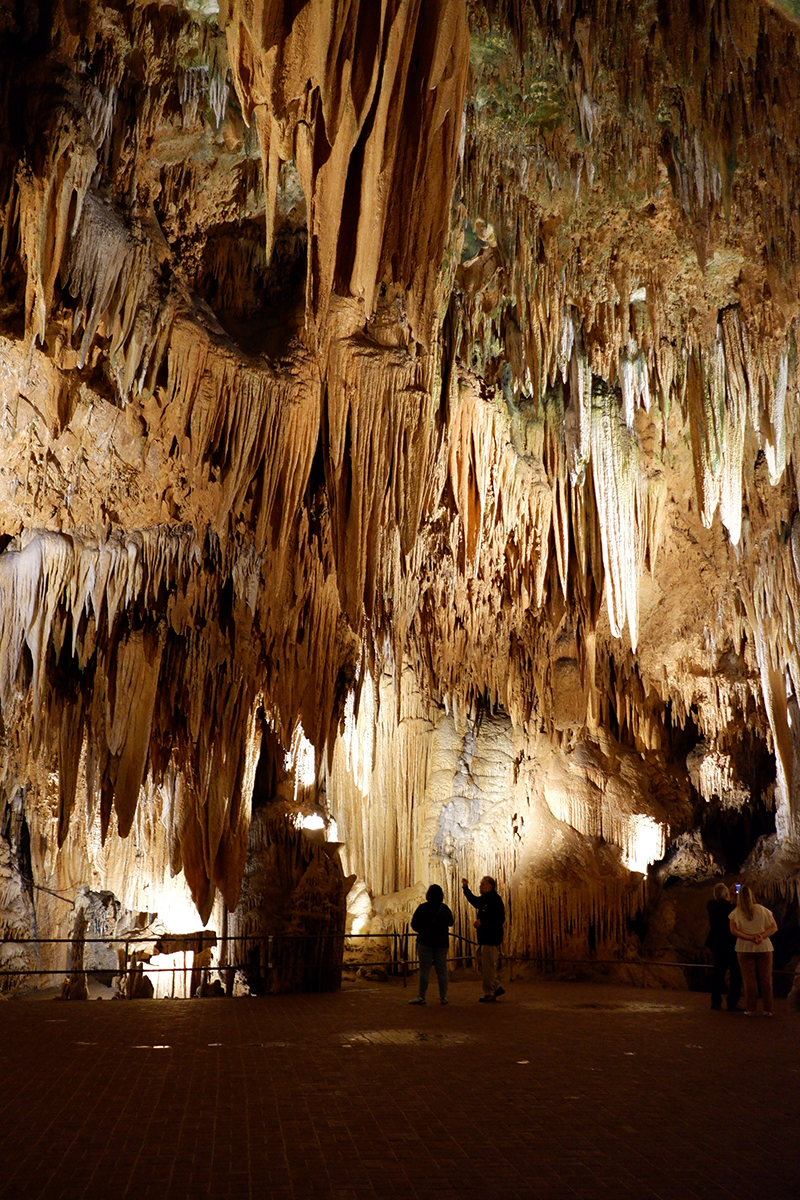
point(730, 391)
point(723, 386)
point(549, 915)
point(114, 269)
point(154, 64)
point(367, 99)
point(710, 94)
point(166, 64)
point(731, 397)
point(715, 775)
point(475, 499)
point(420, 797)
point(112, 700)
point(774, 613)
point(693, 129)
point(518, 497)
point(578, 484)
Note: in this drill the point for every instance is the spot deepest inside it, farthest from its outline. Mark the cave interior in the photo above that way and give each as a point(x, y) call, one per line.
point(397, 483)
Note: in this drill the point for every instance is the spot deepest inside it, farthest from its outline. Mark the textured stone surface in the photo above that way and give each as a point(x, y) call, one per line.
point(413, 389)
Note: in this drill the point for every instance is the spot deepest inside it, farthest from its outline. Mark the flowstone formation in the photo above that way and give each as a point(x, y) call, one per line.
point(400, 409)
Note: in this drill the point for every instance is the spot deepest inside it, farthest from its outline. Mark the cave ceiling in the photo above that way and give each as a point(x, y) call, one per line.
point(385, 365)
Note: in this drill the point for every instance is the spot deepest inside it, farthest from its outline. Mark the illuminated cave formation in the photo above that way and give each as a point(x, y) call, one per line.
point(397, 468)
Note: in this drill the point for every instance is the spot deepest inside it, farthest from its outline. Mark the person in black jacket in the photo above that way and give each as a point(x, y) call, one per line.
point(431, 922)
point(722, 944)
point(489, 924)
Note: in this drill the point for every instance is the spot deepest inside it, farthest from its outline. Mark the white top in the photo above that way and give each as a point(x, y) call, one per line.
point(762, 919)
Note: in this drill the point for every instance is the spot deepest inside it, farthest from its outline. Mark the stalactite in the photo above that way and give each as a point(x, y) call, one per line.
point(578, 415)
point(715, 775)
point(50, 207)
point(736, 413)
point(772, 599)
point(389, 74)
point(483, 430)
point(49, 589)
point(615, 467)
point(555, 461)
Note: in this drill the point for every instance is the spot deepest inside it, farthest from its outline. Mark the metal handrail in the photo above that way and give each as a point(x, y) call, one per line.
point(268, 939)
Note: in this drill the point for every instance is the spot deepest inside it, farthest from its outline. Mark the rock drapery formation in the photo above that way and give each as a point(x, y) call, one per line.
point(413, 385)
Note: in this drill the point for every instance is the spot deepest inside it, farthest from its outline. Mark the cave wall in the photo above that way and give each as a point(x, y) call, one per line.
point(428, 371)
point(568, 833)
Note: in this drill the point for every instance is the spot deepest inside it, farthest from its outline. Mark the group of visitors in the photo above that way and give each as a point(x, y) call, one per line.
point(739, 939)
point(431, 922)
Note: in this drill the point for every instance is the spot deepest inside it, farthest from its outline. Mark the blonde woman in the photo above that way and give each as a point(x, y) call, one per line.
point(751, 925)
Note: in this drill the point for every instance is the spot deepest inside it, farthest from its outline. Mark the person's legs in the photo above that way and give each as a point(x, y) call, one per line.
point(764, 970)
point(489, 957)
point(440, 963)
point(735, 984)
point(425, 964)
point(718, 977)
point(748, 969)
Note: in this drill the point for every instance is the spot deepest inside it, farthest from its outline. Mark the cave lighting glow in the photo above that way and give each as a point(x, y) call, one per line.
point(313, 821)
point(301, 761)
point(359, 736)
point(169, 982)
point(646, 843)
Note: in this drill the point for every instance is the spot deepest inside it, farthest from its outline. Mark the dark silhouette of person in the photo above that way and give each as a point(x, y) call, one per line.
point(489, 925)
point(722, 944)
point(431, 922)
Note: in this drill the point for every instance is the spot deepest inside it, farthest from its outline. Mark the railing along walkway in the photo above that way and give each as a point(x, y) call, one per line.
point(400, 963)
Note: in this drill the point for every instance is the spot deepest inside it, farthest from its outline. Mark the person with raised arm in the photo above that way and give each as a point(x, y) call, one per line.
point(489, 926)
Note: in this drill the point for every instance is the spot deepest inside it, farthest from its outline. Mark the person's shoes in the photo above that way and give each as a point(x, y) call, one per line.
point(734, 1008)
point(417, 1000)
point(748, 1013)
point(716, 1007)
point(767, 1014)
point(501, 991)
point(444, 1001)
point(487, 999)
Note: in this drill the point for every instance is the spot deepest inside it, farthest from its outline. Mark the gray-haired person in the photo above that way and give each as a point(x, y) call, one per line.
point(431, 922)
point(489, 925)
point(722, 944)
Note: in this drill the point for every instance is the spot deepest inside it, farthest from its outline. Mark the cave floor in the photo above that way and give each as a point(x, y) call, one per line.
point(558, 1090)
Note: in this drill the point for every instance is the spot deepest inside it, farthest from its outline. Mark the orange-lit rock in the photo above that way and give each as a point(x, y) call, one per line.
point(414, 387)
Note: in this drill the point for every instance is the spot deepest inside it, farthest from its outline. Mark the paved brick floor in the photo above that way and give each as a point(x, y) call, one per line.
point(559, 1090)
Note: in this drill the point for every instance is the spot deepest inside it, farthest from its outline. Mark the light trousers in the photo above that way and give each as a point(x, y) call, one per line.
point(489, 956)
point(756, 971)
